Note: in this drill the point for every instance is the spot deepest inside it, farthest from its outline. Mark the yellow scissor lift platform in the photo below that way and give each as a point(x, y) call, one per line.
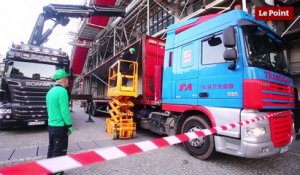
point(121, 124)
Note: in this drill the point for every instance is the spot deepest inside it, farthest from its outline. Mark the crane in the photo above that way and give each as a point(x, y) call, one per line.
point(61, 14)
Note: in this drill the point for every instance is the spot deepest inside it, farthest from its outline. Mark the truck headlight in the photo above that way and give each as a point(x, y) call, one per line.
point(5, 111)
point(256, 132)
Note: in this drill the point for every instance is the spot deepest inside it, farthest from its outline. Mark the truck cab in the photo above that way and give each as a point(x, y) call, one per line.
point(221, 69)
point(26, 79)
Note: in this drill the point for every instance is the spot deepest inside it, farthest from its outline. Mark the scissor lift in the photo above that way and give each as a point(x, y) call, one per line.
point(121, 124)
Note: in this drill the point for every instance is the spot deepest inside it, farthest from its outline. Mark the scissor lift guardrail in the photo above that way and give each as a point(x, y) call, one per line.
point(121, 124)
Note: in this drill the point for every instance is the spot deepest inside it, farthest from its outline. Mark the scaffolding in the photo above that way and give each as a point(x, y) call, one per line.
point(151, 17)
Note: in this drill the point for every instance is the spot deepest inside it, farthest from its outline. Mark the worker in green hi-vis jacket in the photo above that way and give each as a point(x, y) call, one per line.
point(59, 121)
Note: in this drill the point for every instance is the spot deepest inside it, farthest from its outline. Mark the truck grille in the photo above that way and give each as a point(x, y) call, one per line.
point(260, 94)
point(29, 95)
point(29, 102)
point(30, 112)
point(281, 129)
point(277, 95)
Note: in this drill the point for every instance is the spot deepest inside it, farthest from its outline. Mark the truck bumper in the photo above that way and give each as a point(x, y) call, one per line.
point(240, 148)
point(263, 150)
point(264, 142)
point(17, 115)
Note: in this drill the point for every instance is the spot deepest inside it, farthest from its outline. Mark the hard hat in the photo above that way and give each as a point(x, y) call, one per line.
point(59, 74)
point(132, 49)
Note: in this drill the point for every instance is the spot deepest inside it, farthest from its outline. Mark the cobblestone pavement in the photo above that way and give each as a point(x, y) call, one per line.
point(175, 161)
point(31, 144)
point(24, 144)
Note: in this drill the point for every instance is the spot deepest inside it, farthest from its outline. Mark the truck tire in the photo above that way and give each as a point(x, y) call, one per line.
point(95, 113)
point(201, 148)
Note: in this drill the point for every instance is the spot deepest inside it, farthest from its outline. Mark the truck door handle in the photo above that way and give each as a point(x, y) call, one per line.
point(203, 94)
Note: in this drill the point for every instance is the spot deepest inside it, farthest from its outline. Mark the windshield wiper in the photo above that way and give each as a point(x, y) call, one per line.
point(261, 63)
point(19, 77)
point(46, 78)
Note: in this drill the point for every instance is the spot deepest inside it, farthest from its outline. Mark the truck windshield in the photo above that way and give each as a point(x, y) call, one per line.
point(264, 50)
point(29, 70)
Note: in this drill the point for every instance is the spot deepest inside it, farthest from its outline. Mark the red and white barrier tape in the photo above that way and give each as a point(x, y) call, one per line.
point(48, 166)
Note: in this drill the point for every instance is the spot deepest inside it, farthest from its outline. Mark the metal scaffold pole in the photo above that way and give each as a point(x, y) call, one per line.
point(89, 103)
point(148, 18)
point(90, 120)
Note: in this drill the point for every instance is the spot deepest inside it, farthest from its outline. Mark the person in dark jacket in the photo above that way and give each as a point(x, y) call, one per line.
point(125, 67)
point(129, 54)
point(59, 117)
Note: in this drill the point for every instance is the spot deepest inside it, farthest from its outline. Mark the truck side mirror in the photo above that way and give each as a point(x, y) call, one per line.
point(2, 66)
point(229, 38)
point(2, 91)
point(231, 55)
point(214, 41)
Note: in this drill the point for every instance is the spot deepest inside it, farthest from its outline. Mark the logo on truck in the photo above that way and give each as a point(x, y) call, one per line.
point(277, 77)
point(41, 84)
point(185, 87)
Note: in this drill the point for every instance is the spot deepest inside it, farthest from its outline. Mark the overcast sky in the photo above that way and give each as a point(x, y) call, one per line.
point(18, 18)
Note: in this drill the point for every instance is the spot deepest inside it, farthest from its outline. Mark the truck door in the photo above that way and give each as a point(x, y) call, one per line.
point(218, 85)
point(185, 67)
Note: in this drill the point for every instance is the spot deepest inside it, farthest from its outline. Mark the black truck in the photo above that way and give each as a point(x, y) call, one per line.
point(29, 68)
point(26, 79)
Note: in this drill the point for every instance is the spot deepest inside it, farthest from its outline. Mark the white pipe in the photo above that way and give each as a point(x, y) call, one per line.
point(244, 4)
point(270, 2)
point(148, 18)
point(290, 26)
point(114, 51)
point(128, 9)
point(200, 11)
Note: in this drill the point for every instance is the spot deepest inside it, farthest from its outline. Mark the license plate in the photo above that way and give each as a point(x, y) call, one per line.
point(36, 123)
point(284, 149)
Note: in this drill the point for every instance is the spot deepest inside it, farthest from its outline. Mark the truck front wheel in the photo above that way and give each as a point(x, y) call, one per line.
point(201, 148)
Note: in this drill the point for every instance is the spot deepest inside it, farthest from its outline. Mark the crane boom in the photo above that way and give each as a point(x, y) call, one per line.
point(61, 14)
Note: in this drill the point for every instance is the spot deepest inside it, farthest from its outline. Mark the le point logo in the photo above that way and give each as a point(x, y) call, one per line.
point(274, 13)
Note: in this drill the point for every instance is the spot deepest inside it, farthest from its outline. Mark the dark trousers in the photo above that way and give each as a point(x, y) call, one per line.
point(58, 141)
point(125, 69)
